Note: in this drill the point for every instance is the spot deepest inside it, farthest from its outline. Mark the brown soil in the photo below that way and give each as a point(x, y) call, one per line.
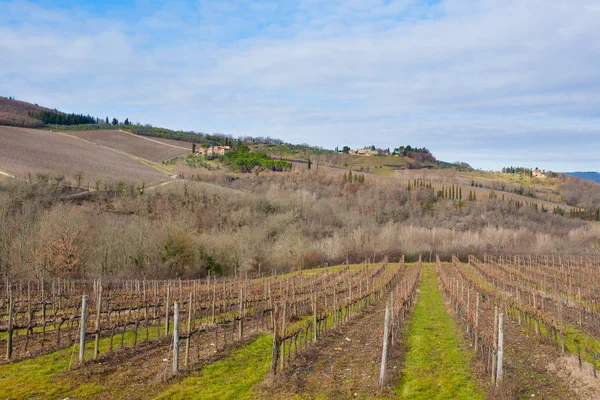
point(526, 368)
point(137, 145)
point(581, 380)
point(24, 151)
point(143, 371)
point(343, 365)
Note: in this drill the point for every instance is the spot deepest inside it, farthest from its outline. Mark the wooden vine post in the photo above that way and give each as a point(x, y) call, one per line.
point(168, 308)
point(10, 324)
point(314, 318)
point(189, 329)
point(175, 337)
point(241, 311)
point(98, 310)
point(82, 328)
point(384, 352)
point(499, 371)
point(275, 349)
point(477, 321)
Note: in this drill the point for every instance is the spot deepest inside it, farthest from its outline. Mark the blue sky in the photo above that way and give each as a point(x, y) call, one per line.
point(490, 82)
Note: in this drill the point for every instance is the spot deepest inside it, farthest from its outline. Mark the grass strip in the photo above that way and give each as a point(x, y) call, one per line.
point(436, 366)
point(36, 377)
point(230, 378)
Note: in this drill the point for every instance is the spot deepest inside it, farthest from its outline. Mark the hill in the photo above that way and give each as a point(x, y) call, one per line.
point(53, 155)
point(152, 147)
point(589, 175)
point(15, 113)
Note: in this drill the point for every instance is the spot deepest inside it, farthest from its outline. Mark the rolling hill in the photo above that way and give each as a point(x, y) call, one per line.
point(15, 113)
point(31, 151)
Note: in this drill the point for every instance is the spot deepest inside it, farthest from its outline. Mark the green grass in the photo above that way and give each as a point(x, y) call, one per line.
point(436, 366)
point(36, 377)
point(230, 378)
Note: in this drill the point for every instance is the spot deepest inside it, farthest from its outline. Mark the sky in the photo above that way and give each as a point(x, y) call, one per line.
point(491, 82)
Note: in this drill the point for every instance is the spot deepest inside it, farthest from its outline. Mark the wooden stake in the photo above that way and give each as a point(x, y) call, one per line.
point(82, 328)
point(176, 338)
point(386, 327)
point(168, 308)
point(98, 310)
point(9, 348)
point(499, 370)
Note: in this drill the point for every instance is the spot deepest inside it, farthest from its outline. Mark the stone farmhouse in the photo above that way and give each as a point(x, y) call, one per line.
point(538, 173)
point(212, 151)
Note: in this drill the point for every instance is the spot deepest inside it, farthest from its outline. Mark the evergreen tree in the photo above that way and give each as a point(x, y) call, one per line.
point(107, 121)
point(115, 122)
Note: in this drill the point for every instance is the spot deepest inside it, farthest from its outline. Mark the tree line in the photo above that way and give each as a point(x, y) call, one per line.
point(51, 117)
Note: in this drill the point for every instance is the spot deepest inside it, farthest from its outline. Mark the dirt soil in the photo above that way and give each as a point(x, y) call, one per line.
point(24, 151)
point(139, 146)
point(527, 372)
point(143, 371)
point(343, 365)
point(580, 379)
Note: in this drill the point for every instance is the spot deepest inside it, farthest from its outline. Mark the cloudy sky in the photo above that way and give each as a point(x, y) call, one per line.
point(490, 82)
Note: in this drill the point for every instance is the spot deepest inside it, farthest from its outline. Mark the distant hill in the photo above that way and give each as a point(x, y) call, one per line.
point(589, 175)
point(15, 113)
point(26, 115)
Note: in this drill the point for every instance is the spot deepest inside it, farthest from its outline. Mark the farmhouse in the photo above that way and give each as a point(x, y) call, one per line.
point(369, 151)
point(538, 173)
point(212, 151)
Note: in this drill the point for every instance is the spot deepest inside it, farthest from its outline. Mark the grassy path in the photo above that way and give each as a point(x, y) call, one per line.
point(231, 378)
point(436, 367)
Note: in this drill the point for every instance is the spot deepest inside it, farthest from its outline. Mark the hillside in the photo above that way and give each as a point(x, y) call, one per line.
point(49, 155)
point(146, 148)
point(15, 113)
point(140, 146)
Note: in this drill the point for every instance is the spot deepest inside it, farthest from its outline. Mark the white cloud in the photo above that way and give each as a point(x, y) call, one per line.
point(451, 76)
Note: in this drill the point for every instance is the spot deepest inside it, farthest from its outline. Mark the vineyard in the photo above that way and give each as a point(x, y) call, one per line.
point(292, 325)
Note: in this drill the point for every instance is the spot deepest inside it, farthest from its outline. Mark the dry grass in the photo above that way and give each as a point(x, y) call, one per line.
point(24, 151)
point(140, 146)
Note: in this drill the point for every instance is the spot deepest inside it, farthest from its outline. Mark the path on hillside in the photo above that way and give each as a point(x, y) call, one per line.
point(436, 366)
point(344, 365)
